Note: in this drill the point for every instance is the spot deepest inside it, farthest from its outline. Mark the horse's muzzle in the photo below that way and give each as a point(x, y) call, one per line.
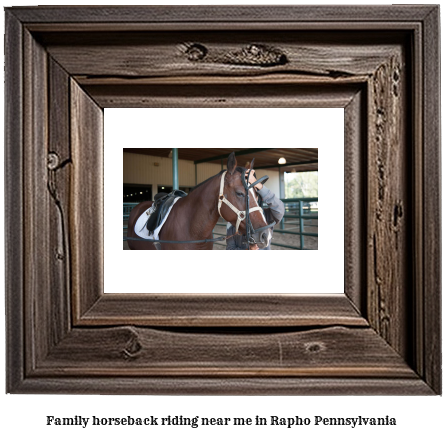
point(262, 239)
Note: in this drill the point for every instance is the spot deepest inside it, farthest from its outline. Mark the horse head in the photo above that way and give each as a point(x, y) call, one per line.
point(235, 192)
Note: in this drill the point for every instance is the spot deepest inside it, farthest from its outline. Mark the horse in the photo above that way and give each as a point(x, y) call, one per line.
point(194, 217)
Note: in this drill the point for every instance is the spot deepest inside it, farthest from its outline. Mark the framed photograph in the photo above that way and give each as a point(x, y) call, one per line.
point(290, 195)
point(380, 333)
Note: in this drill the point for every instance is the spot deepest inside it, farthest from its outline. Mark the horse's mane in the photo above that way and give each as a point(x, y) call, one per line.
point(237, 169)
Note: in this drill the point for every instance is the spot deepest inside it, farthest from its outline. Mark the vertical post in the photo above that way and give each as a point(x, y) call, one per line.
point(282, 222)
point(195, 174)
point(154, 191)
point(281, 180)
point(302, 227)
point(175, 168)
point(281, 183)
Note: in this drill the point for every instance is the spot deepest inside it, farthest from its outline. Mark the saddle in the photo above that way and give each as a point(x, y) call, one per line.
point(158, 211)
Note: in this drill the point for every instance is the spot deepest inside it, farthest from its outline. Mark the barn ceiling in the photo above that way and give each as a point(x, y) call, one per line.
point(298, 159)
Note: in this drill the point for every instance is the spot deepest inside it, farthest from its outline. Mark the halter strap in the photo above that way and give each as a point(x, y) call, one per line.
point(241, 215)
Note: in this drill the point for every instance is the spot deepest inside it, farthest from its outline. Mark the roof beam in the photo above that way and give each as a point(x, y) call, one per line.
point(299, 163)
point(241, 152)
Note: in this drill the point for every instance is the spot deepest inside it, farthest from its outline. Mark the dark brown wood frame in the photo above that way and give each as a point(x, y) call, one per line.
point(64, 65)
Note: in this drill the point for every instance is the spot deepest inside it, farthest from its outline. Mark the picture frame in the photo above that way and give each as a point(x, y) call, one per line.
point(379, 63)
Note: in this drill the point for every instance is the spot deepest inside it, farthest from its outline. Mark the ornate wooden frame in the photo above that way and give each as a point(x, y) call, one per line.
point(64, 65)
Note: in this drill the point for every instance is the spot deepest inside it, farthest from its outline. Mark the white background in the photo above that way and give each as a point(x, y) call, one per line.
point(24, 415)
point(278, 271)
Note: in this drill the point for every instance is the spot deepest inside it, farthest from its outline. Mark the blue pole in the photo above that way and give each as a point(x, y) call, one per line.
point(302, 226)
point(175, 168)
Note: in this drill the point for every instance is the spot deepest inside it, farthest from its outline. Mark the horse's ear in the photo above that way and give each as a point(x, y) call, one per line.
point(232, 163)
point(251, 166)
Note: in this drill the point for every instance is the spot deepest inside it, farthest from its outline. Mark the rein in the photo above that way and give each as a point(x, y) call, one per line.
point(218, 239)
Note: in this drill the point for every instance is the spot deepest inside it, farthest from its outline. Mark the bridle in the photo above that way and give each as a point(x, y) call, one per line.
point(243, 215)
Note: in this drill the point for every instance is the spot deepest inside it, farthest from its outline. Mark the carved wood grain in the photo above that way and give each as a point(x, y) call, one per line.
point(355, 191)
point(86, 200)
point(38, 304)
point(388, 204)
point(174, 385)
point(165, 55)
point(14, 185)
point(128, 351)
point(59, 167)
point(430, 318)
point(65, 336)
point(259, 16)
point(241, 310)
point(236, 95)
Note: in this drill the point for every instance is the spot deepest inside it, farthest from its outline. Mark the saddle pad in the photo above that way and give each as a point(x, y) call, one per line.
point(143, 232)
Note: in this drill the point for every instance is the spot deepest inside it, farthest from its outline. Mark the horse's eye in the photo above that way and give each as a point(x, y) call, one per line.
point(240, 194)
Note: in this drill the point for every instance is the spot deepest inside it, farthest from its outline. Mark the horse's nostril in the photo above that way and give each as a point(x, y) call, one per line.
point(264, 237)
